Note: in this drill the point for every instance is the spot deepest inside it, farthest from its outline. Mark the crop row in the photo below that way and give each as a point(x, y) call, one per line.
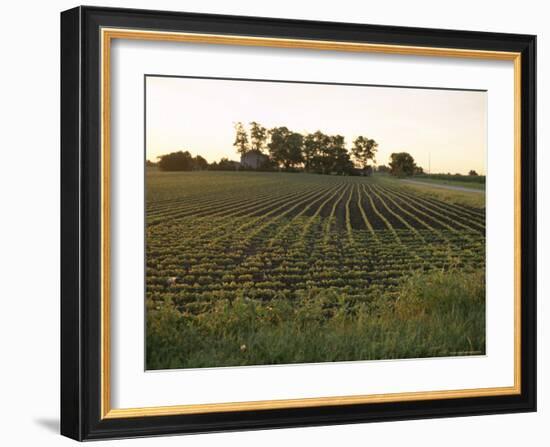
point(281, 240)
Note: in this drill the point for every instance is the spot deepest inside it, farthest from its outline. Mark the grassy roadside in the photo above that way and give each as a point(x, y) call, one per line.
point(432, 314)
point(475, 200)
point(470, 185)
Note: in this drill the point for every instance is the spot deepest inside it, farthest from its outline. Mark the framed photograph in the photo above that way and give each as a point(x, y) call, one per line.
point(277, 223)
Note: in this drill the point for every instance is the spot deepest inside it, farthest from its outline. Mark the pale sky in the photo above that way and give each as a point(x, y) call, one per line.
point(198, 115)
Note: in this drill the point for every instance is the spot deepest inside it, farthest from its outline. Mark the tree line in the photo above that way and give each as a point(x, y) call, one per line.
point(285, 149)
point(313, 152)
point(180, 161)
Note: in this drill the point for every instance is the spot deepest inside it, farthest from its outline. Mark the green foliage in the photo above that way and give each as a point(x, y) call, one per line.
point(444, 195)
point(293, 150)
point(470, 178)
point(313, 143)
point(298, 267)
point(276, 146)
point(241, 139)
point(338, 159)
point(326, 154)
point(285, 147)
point(435, 314)
point(320, 153)
point(364, 149)
point(224, 165)
point(181, 161)
point(199, 163)
point(258, 136)
point(402, 164)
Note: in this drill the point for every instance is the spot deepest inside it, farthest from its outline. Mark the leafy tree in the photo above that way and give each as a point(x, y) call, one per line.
point(285, 147)
point(363, 150)
point(258, 136)
point(382, 169)
point(325, 154)
point(224, 165)
point(227, 165)
point(418, 170)
point(277, 144)
point(176, 161)
point(199, 163)
point(293, 150)
point(241, 139)
point(311, 149)
point(308, 150)
point(402, 164)
point(150, 164)
point(473, 173)
point(338, 156)
point(323, 160)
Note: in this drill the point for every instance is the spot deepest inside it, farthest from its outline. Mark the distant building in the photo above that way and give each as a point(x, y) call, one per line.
point(254, 159)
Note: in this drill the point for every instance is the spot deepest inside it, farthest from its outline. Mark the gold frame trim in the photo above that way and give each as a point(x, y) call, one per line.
point(107, 35)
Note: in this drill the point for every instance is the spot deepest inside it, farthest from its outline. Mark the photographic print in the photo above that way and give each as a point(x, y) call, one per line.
point(299, 222)
point(275, 204)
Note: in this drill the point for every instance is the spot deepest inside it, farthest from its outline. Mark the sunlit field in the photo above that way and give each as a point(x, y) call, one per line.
point(248, 268)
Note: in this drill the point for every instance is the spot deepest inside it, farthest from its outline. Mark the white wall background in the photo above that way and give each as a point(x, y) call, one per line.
point(29, 225)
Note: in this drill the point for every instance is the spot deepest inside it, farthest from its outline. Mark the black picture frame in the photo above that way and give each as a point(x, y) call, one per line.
point(81, 223)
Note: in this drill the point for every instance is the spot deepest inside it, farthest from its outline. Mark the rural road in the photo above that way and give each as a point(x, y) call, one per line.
point(436, 185)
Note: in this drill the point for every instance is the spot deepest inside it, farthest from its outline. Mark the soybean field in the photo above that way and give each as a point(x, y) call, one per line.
point(247, 268)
